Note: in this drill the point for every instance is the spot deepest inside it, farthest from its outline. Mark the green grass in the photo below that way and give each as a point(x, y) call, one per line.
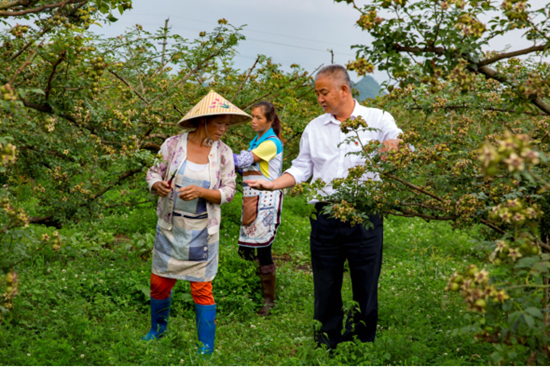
point(88, 304)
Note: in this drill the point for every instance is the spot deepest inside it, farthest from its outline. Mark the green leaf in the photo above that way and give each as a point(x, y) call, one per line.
point(527, 262)
point(111, 18)
point(146, 290)
point(529, 320)
point(533, 311)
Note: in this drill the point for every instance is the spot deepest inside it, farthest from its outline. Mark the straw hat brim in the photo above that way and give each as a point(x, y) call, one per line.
point(214, 104)
point(236, 119)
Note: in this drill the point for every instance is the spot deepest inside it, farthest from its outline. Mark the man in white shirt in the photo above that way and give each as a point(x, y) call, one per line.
point(332, 242)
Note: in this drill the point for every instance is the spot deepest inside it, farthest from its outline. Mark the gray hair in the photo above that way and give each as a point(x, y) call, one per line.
point(337, 72)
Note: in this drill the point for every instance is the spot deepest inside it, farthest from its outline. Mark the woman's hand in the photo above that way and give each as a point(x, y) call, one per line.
point(162, 188)
point(190, 192)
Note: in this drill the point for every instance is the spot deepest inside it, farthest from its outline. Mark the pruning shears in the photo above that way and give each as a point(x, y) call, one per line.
point(171, 178)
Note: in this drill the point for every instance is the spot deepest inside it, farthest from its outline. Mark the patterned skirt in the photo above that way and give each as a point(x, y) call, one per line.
point(261, 217)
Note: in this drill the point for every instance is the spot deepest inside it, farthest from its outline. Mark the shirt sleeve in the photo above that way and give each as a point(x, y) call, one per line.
point(389, 128)
point(157, 172)
point(266, 151)
point(302, 166)
point(227, 175)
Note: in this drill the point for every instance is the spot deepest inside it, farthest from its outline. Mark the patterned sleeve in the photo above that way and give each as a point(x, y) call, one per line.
point(227, 175)
point(158, 170)
point(243, 160)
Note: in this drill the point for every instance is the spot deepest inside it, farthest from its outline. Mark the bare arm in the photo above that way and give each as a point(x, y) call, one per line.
point(192, 192)
point(286, 180)
point(256, 158)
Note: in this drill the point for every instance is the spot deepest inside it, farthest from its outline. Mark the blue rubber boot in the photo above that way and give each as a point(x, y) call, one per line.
point(206, 327)
point(160, 311)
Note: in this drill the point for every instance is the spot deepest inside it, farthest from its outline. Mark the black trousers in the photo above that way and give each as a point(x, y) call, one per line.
point(263, 253)
point(333, 242)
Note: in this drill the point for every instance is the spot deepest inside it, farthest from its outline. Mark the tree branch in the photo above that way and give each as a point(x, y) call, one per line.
point(121, 178)
point(177, 109)
point(38, 9)
point(408, 214)
point(25, 64)
point(57, 62)
point(14, 4)
point(129, 86)
point(507, 55)
point(413, 186)
point(189, 74)
point(493, 74)
point(470, 107)
point(481, 69)
point(245, 79)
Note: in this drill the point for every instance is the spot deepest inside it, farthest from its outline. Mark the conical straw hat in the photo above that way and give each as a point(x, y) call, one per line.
point(211, 105)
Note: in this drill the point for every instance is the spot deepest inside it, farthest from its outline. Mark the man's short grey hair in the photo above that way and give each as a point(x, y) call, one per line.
point(337, 72)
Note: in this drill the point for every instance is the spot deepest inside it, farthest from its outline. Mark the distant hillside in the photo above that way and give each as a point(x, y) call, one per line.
point(367, 87)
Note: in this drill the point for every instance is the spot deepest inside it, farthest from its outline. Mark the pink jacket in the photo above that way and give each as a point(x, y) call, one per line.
point(222, 178)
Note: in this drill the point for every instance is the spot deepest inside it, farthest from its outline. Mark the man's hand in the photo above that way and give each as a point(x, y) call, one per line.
point(162, 188)
point(190, 192)
point(390, 144)
point(261, 184)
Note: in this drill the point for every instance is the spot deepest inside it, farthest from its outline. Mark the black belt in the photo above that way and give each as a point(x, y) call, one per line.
point(200, 216)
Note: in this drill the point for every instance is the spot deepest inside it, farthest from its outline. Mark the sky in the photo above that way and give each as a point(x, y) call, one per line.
point(290, 31)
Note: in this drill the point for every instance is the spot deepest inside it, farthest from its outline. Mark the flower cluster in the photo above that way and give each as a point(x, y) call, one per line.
point(511, 251)
point(370, 20)
point(473, 284)
point(19, 30)
point(8, 154)
point(352, 124)
point(98, 65)
point(54, 240)
point(470, 26)
point(17, 217)
point(360, 66)
point(515, 10)
point(10, 290)
point(461, 76)
point(346, 212)
point(515, 211)
point(8, 93)
point(466, 206)
point(513, 151)
point(535, 86)
point(387, 3)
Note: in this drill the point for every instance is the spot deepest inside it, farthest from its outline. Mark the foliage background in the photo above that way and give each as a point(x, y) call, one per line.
point(82, 117)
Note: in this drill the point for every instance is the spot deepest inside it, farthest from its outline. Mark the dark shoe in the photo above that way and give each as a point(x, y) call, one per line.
point(269, 280)
point(160, 311)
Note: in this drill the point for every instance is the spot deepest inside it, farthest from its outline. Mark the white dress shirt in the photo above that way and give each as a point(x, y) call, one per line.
point(320, 156)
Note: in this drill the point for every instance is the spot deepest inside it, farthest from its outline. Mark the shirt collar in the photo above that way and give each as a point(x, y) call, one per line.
point(330, 118)
point(256, 142)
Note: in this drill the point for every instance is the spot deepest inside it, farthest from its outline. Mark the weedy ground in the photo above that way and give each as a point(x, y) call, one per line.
point(88, 303)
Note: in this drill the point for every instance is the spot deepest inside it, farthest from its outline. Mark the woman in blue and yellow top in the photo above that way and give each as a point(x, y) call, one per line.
point(262, 209)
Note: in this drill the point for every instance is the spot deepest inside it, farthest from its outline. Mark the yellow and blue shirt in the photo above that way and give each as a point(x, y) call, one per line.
point(269, 148)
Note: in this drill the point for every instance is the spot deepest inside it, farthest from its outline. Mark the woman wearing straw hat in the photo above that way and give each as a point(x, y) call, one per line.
point(195, 177)
point(262, 209)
